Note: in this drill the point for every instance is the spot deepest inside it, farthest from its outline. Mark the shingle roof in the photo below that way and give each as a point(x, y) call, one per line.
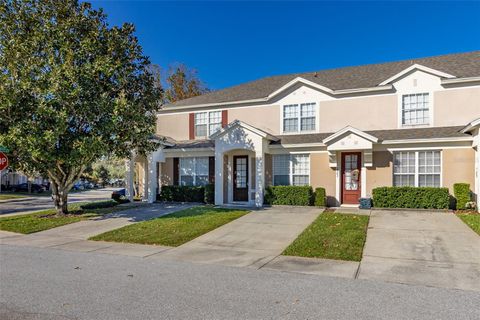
point(192, 144)
point(382, 135)
point(394, 134)
point(461, 65)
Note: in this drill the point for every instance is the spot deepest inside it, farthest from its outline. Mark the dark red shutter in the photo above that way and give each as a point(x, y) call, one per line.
point(224, 118)
point(176, 169)
point(191, 126)
point(211, 170)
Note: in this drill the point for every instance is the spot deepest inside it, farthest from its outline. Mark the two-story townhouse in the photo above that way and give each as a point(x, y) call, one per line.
point(413, 122)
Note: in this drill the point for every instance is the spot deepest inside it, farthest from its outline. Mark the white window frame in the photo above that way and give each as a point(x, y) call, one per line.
point(194, 175)
point(290, 167)
point(417, 174)
point(299, 117)
point(430, 109)
point(208, 123)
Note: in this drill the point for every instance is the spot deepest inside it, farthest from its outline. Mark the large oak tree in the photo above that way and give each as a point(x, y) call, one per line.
point(72, 89)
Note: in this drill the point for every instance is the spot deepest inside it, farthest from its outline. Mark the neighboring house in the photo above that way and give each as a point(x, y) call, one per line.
point(11, 178)
point(349, 130)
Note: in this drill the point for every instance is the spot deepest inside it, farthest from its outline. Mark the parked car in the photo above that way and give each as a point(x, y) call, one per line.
point(78, 186)
point(23, 187)
point(119, 193)
point(119, 196)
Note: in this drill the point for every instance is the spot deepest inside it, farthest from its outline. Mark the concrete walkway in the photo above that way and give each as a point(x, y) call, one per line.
point(74, 236)
point(250, 241)
point(421, 248)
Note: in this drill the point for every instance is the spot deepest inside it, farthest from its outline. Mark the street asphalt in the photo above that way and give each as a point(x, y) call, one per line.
point(36, 203)
point(44, 283)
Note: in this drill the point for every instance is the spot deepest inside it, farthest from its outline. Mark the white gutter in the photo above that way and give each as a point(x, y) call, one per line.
point(460, 80)
point(403, 141)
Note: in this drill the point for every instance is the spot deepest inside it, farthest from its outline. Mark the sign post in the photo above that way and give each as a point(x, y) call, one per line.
point(3, 165)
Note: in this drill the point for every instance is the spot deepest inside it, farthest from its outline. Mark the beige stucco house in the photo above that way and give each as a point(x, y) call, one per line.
point(413, 122)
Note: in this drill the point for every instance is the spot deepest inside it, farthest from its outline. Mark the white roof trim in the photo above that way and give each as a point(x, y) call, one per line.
point(460, 80)
point(238, 123)
point(283, 88)
point(352, 130)
point(417, 67)
point(472, 125)
point(402, 141)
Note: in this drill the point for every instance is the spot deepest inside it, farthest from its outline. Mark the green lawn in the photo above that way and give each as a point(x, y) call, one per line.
point(10, 196)
point(174, 229)
point(46, 219)
point(472, 220)
point(332, 236)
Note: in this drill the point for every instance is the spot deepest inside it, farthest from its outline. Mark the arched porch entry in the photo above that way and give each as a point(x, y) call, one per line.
point(239, 161)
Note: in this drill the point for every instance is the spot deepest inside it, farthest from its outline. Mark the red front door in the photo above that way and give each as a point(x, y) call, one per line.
point(351, 166)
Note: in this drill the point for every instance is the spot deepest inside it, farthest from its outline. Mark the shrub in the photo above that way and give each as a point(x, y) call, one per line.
point(182, 194)
point(320, 197)
point(289, 195)
point(209, 193)
point(411, 197)
point(461, 191)
point(99, 204)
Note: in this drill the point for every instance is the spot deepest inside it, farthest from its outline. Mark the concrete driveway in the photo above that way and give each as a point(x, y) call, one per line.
point(424, 248)
point(250, 241)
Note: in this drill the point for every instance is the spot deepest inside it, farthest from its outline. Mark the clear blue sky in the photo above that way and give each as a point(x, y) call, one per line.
point(234, 42)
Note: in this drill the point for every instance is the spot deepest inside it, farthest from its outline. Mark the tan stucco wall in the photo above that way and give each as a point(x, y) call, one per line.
point(381, 173)
point(166, 177)
point(456, 107)
point(370, 113)
point(458, 165)
point(140, 166)
point(173, 125)
point(321, 175)
point(265, 118)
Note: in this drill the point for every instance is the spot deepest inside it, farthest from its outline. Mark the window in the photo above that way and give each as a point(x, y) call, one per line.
point(415, 109)
point(207, 123)
point(299, 117)
point(291, 169)
point(416, 168)
point(193, 171)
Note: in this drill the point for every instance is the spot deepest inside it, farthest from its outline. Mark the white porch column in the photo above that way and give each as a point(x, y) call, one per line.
point(145, 179)
point(151, 177)
point(259, 177)
point(151, 174)
point(129, 183)
point(219, 178)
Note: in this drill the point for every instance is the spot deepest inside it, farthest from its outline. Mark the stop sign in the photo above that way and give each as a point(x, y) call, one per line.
point(3, 161)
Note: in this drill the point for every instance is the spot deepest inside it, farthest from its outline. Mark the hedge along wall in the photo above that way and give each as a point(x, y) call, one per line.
point(204, 194)
point(462, 194)
point(289, 195)
point(411, 197)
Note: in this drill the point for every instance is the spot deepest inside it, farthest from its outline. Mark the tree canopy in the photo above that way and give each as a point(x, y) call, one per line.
point(72, 89)
point(177, 83)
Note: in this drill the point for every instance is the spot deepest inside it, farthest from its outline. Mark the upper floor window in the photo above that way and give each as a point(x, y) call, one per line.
point(415, 109)
point(299, 117)
point(291, 169)
point(193, 171)
point(416, 168)
point(207, 123)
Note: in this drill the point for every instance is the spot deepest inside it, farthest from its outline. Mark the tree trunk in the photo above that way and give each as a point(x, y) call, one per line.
point(60, 199)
